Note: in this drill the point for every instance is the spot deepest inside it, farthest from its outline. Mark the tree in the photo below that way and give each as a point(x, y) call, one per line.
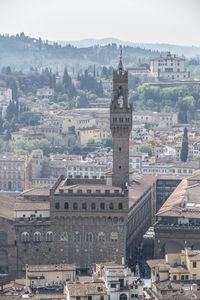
point(184, 149)
point(145, 148)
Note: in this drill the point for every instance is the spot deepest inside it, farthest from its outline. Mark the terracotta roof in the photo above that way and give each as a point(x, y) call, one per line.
point(156, 262)
point(36, 192)
point(7, 204)
point(184, 201)
point(168, 285)
point(139, 185)
point(77, 289)
point(24, 206)
point(45, 268)
point(195, 257)
point(179, 269)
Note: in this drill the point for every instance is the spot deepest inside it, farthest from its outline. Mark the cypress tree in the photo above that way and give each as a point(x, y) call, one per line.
point(184, 149)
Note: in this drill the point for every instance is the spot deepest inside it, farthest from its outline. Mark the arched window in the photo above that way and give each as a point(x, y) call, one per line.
point(49, 236)
point(76, 237)
point(25, 238)
point(114, 236)
point(89, 237)
point(123, 297)
point(101, 237)
point(64, 236)
point(37, 236)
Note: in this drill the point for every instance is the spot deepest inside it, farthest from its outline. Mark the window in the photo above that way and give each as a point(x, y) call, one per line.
point(194, 264)
point(102, 206)
point(114, 236)
point(111, 206)
point(101, 237)
point(37, 237)
point(89, 237)
point(186, 277)
point(194, 276)
point(25, 238)
point(76, 236)
point(75, 205)
point(113, 285)
point(115, 220)
point(57, 205)
point(120, 205)
point(89, 297)
point(93, 206)
point(182, 277)
point(84, 205)
point(49, 236)
point(66, 205)
point(64, 236)
point(174, 277)
point(120, 148)
point(3, 239)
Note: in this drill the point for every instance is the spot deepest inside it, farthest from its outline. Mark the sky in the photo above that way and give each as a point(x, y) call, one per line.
point(148, 21)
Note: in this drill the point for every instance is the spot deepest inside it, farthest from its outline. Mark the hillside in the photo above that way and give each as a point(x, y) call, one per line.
point(22, 52)
point(188, 51)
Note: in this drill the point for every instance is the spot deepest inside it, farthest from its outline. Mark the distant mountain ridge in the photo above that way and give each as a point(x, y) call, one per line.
point(188, 51)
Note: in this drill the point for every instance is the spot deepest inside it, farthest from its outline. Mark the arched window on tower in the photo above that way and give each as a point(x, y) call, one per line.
point(76, 237)
point(49, 236)
point(64, 236)
point(114, 237)
point(37, 236)
point(25, 238)
point(101, 237)
point(120, 96)
point(89, 237)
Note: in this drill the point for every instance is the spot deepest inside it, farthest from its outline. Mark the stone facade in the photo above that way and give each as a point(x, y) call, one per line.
point(120, 125)
point(87, 224)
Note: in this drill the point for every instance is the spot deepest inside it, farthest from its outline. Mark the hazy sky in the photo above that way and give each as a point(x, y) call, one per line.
point(163, 21)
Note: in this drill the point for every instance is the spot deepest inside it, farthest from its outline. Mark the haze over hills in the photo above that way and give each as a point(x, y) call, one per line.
point(188, 51)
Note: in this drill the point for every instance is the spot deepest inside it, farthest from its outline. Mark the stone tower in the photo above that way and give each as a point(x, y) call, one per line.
point(120, 125)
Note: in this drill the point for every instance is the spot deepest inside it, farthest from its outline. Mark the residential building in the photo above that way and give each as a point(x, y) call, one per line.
point(12, 171)
point(85, 135)
point(87, 169)
point(177, 271)
point(99, 102)
point(160, 119)
point(41, 276)
point(5, 95)
point(45, 93)
point(121, 283)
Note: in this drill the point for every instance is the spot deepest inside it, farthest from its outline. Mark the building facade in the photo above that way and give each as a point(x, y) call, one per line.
point(169, 68)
